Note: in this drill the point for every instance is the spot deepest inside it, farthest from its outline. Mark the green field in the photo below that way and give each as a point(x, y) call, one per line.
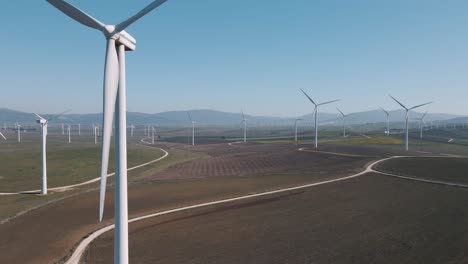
point(12, 205)
point(20, 163)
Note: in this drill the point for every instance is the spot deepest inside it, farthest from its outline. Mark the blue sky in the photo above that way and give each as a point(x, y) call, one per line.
point(250, 54)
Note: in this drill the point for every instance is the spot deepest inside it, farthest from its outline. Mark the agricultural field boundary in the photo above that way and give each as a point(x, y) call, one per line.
point(68, 187)
point(81, 248)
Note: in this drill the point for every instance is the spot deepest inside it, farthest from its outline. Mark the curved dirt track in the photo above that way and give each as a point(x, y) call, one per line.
point(68, 187)
point(77, 254)
point(86, 225)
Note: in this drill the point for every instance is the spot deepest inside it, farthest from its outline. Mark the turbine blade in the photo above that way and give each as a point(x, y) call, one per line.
point(243, 116)
point(398, 102)
point(77, 14)
point(1, 134)
point(190, 117)
point(40, 117)
point(340, 112)
point(57, 116)
point(386, 112)
point(310, 99)
point(414, 107)
point(144, 11)
point(424, 115)
point(111, 82)
point(329, 102)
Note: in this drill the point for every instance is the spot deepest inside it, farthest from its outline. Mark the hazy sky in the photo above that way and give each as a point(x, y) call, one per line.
point(251, 54)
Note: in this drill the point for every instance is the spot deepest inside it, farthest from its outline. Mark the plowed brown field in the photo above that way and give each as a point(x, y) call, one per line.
point(250, 159)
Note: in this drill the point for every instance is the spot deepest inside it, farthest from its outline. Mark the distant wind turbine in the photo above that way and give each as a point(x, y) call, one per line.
point(193, 128)
point(406, 117)
point(69, 133)
point(95, 128)
point(295, 129)
point(343, 120)
point(18, 128)
point(316, 113)
point(43, 122)
point(421, 126)
point(387, 113)
point(244, 120)
point(132, 127)
point(44, 125)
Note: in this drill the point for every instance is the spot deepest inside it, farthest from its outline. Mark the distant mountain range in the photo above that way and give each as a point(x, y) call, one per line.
point(218, 118)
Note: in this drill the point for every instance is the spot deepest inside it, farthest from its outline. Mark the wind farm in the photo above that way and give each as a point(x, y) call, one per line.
point(154, 162)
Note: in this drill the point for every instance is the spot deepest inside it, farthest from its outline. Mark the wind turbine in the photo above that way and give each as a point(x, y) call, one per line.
point(131, 130)
point(406, 117)
point(79, 129)
point(244, 120)
point(95, 128)
point(152, 134)
point(421, 122)
point(343, 119)
point(295, 129)
point(114, 99)
point(193, 128)
point(44, 123)
point(63, 129)
point(69, 133)
point(316, 113)
point(388, 120)
point(18, 129)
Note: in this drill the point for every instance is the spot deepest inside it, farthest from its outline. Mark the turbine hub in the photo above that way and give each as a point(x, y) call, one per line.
point(110, 32)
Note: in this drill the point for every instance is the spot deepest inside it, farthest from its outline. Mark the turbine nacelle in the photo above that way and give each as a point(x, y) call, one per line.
point(121, 38)
point(41, 121)
point(127, 40)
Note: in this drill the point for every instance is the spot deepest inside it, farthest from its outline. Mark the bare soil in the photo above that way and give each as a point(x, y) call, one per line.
point(259, 159)
point(47, 234)
point(370, 219)
point(452, 170)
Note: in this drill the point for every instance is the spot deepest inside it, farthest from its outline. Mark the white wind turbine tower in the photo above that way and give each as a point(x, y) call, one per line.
point(343, 120)
point(132, 127)
point(63, 129)
point(295, 129)
point(44, 123)
point(193, 128)
point(244, 120)
point(114, 99)
point(152, 134)
point(95, 128)
point(316, 113)
point(421, 122)
point(388, 120)
point(79, 129)
point(406, 117)
point(18, 129)
point(69, 133)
